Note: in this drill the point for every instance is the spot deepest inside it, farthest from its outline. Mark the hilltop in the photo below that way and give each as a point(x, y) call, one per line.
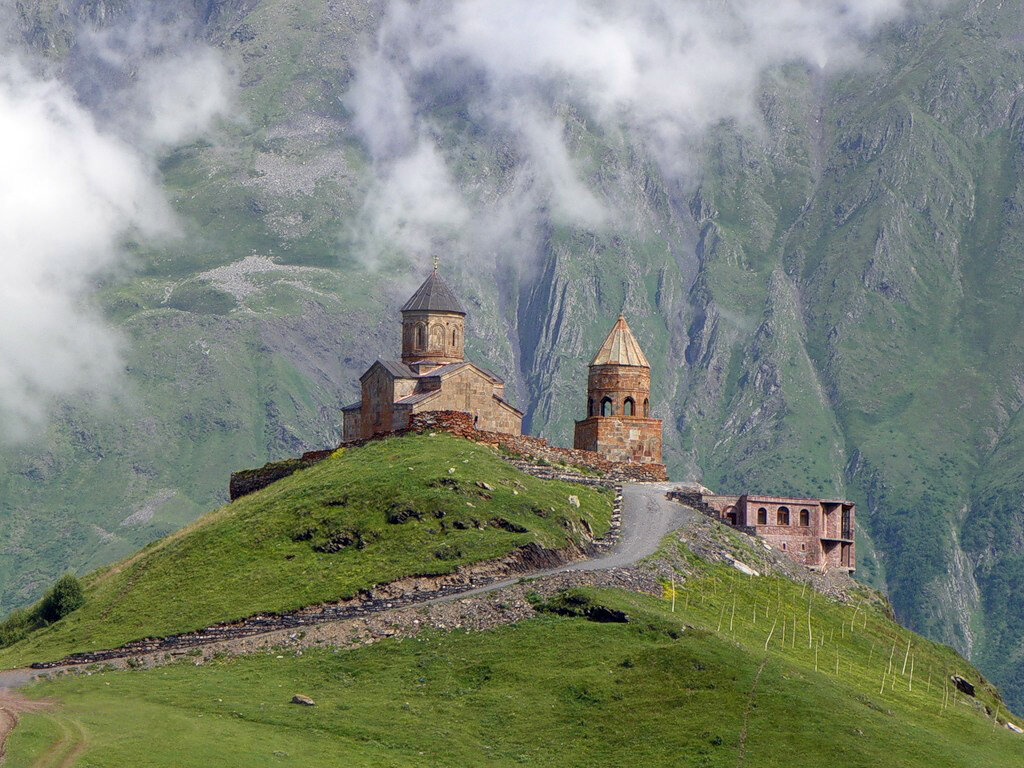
point(420, 505)
point(680, 659)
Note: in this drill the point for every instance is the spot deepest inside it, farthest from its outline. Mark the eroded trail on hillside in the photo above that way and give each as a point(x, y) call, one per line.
point(11, 706)
point(646, 517)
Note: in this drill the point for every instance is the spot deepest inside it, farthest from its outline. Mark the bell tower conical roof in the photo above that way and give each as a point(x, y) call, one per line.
point(621, 347)
point(434, 296)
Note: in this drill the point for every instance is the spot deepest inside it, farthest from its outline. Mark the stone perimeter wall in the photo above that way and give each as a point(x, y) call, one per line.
point(536, 448)
point(529, 450)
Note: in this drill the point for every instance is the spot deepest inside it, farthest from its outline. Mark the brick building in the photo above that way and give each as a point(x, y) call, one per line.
point(618, 425)
point(815, 532)
point(433, 374)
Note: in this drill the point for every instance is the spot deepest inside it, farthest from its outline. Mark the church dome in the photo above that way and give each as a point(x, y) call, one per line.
point(621, 347)
point(434, 296)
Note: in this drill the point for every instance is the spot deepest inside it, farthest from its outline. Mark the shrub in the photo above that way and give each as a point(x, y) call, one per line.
point(63, 597)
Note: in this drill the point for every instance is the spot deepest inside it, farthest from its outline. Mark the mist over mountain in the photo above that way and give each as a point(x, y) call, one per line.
point(812, 216)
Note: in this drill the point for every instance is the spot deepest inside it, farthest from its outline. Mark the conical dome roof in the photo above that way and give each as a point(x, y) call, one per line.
point(434, 296)
point(621, 347)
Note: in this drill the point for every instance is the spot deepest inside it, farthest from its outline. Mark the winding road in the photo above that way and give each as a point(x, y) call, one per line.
point(646, 517)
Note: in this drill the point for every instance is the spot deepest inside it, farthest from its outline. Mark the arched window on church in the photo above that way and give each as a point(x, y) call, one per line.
point(419, 337)
point(455, 338)
point(629, 407)
point(647, 408)
point(590, 407)
point(606, 406)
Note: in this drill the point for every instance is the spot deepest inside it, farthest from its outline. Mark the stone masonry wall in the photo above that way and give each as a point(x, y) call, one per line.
point(472, 393)
point(535, 448)
point(460, 424)
point(251, 480)
point(621, 438)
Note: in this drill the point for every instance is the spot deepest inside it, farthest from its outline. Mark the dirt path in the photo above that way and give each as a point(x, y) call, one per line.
point(66, 750)
point(12, 705)
point(647, 517)
point(741, 757)
point(7, 722)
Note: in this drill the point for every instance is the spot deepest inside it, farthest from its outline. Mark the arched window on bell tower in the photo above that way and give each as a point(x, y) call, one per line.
point(647, 408)
point(590, 407)
point(606, 407)
point(420, 341)
point(629, 407)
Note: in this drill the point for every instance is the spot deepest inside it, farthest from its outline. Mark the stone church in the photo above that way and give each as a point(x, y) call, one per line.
point(433, 374)
point(619, 426)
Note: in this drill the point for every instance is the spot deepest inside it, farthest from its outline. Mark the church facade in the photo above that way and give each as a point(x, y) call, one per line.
point(618, 425)
point(432, 374)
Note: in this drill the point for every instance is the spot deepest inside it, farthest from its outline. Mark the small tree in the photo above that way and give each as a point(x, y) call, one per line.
point(64, 596)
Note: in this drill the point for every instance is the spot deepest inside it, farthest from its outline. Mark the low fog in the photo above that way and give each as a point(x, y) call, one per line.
point(75, 183)
point(654, 74)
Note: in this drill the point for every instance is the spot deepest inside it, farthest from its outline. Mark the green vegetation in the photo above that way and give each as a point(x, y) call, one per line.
point(698, 686)
point(63, 598)
point(404, 506)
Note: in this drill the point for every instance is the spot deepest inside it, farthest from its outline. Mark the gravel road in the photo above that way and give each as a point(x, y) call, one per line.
point(647, 517)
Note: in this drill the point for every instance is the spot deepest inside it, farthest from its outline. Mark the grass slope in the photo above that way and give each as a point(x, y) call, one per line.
point(701, 686)
point(403, 506)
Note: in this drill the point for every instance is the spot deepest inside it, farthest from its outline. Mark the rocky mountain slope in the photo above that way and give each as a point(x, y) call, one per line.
point(833, 306)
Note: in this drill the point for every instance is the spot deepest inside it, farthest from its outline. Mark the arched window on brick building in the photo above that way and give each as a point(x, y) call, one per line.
point(762, 516)
point(419, 337)
point(590, 407)
point(782, 518)
point(805, 517)
point(606, 407)
point(629, 407)
point(647, 408)
point(455, 338)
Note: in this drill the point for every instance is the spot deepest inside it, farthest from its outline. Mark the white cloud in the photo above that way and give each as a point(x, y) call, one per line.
point(74, 186)
point(660, 73)
point(181, 95)
point(67, 194)
point(413, 205)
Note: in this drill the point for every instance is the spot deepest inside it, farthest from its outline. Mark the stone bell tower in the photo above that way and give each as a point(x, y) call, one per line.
point(619, 424)
point(433, 326)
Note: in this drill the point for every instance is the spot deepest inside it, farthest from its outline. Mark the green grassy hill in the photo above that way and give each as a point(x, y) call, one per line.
point(832, 305)
point(716, 682)
point(413, 505)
